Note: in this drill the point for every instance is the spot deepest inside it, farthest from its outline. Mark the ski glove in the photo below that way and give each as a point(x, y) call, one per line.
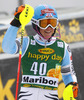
point(15, 21)
point(70, 91)
point(75, 89)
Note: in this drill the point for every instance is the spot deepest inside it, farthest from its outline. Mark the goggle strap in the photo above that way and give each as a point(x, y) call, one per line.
point(35, 21)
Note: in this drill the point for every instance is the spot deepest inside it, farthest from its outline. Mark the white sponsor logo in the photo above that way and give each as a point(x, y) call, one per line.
point(40, 80)
point(60, 44)
point(33, 42)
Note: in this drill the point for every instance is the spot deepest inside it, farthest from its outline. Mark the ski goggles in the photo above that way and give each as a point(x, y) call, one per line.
point(45, 23)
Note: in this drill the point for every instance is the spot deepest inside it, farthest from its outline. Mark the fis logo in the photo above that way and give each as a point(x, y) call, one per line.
point(60, 44)
point(33, 42)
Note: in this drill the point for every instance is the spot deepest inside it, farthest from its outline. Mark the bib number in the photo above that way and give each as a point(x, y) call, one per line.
point(42, 68)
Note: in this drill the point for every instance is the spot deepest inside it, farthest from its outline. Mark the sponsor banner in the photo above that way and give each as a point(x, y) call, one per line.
point(40, 80)
point(2, 33)
point(70, 30)
point(8, 74)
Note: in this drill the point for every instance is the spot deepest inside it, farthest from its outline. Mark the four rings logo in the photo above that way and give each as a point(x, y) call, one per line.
point(46, 51)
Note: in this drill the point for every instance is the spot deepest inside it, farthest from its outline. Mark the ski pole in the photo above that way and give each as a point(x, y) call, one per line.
point(24, 19)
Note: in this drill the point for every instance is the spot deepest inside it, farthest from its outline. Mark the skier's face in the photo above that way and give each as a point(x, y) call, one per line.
point(47, 33)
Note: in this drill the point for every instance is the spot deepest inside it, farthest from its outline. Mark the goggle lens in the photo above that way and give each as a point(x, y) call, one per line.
point(45, 22)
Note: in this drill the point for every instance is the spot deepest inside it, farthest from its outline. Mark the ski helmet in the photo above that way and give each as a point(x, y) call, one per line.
point(43, 12)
